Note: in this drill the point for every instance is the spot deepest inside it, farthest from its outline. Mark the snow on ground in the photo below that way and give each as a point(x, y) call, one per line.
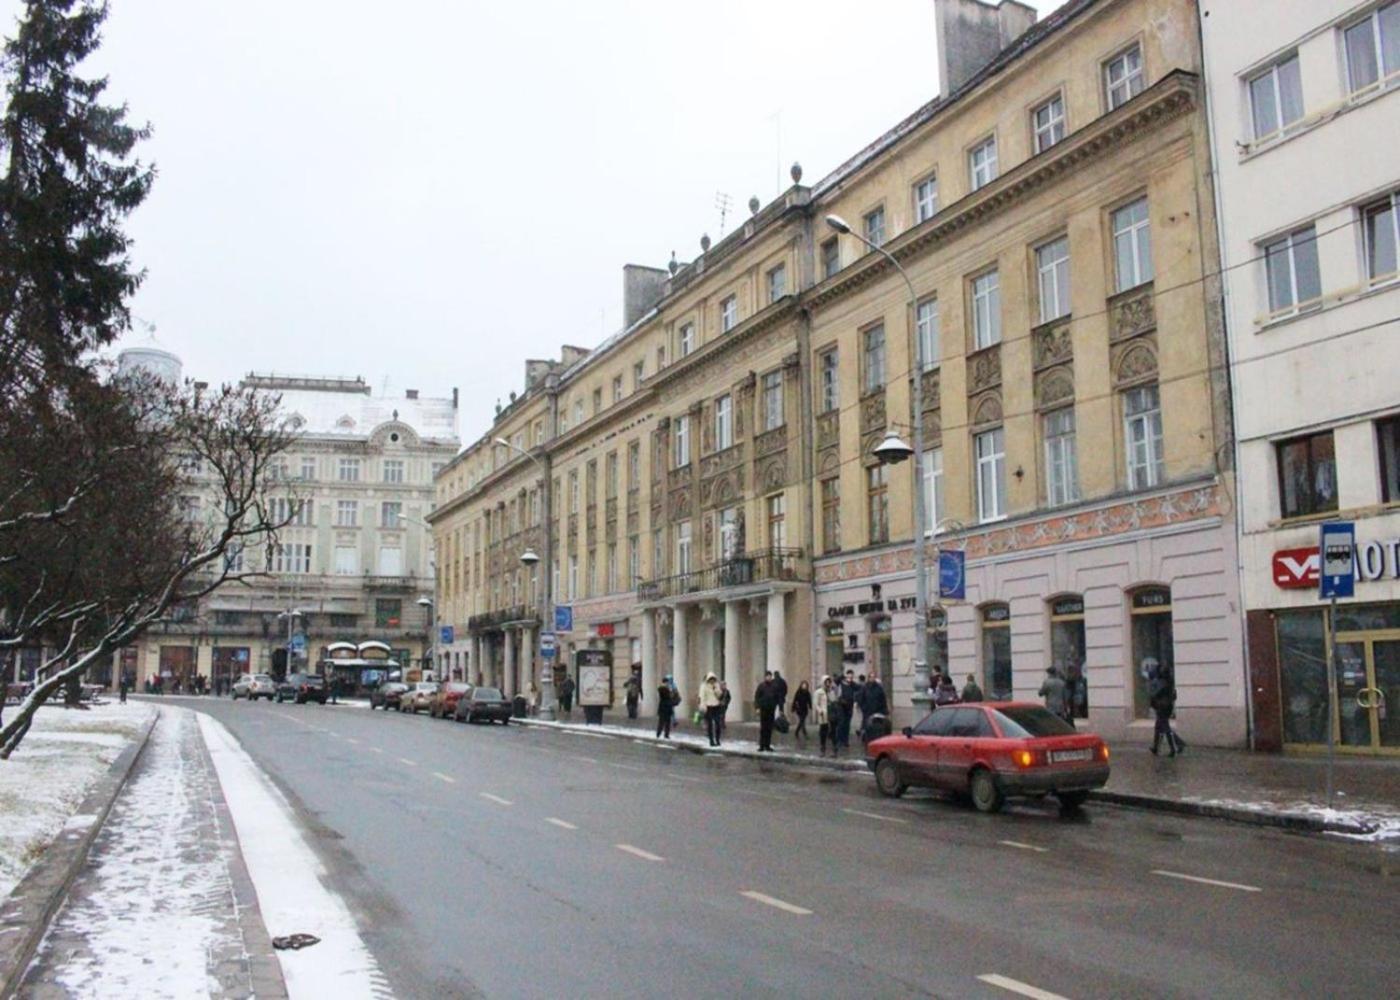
point(1383, 821)
point(290, 882)
point(51, 773)
point(853, 760)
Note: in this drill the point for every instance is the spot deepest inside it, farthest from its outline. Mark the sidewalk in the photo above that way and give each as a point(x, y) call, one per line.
point(1286, 790)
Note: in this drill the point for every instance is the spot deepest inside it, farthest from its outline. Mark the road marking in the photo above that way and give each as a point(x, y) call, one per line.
point(410, 763)
point(445, 777)
point(644, 855)
point(496, 799)
point(1024, 847)
point(1016, 986)
point(1207, 881)
point(351, 739)
point(627, 767)
point(767, 900)
point(887, 819)
point(560, 823)
point(589, 760)
point(375, 750)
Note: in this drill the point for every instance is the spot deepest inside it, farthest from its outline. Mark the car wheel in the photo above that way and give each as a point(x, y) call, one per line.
point(986, 793)
point(1073, 800)
point(887, 778)
point(505, 722)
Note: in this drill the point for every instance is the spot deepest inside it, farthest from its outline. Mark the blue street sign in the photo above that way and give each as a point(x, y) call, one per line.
point(563, 618)
point(549, 645)
point(298, 643)
point(952, 575)
point(449, 635)
point(1337, 554)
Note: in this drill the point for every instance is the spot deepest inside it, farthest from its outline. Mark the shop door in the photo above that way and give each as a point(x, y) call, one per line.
point(1368, 691)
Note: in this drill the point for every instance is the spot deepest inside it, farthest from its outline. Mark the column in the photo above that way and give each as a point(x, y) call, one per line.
point(649, 678)
point(731, 671)
point(777, 634)
point(508, 682)
point(474, 665)
point(680, 638)
point(526, 672)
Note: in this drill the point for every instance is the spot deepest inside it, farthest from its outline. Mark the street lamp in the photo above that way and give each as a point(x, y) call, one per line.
point(893, 450)
point(530, 558)
point(426, 603)
point(291, 614)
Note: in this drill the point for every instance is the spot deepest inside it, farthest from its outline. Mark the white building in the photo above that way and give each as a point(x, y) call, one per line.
point(1305, 109)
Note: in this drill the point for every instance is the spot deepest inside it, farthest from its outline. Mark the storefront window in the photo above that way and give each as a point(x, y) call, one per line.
point(996, 651)
point(1067, 650)
point(1367, 617)
point(1152, 640)
point(1302, 661)
point(881, 663)
point(835, 651)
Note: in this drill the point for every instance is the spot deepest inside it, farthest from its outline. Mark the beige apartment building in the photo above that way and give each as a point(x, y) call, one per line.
point(708, 475)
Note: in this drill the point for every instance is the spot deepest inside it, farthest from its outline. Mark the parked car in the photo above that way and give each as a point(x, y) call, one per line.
point(443, 702)
point(990, 751)
point(302, 688)
point(386, 696)
point(483, 703)
point(415, 699)
point(254, 686)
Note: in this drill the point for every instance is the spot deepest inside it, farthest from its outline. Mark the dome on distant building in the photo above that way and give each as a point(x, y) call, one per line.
point(156, 361)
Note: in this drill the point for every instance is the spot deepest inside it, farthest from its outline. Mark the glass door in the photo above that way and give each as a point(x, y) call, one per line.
point(1385, 691)
point(1354, 719)
point(1367, 676)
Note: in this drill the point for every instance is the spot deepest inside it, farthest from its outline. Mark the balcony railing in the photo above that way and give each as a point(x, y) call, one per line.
point(495, 619)
point(376, 582)
point(765, 565)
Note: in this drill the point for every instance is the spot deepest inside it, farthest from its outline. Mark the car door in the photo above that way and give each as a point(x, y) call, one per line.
point(918, 756)
point(955, 748)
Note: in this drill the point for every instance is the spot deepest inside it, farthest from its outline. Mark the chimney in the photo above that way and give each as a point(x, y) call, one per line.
point(454, 397)
point(972, 33)
point(410, 393)
point(642, 288)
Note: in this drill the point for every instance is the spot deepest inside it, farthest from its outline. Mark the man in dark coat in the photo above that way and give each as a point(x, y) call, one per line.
point(846, 698)
point(566, 695)
point(665, 707)
point(634, 692)
point(873, 702)
point(782, 687)
point(971, 690)
point(767, 700)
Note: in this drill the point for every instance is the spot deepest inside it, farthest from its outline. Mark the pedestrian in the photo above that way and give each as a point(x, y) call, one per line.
point(634, 692)
point(860, 702)
point(1161, 695)
point(846, 699)
point(121, 688)
point(533, 696)
point(801, 706)
point(566, 695)
point(873, 702)
point(664, 708)
point(765, 699)
point(782, 687)
point(725, 697)
point(712, 705)
point(1052, 689)
point(821, 714)
point(334, 685)
point(971, 691)
point(946, 693)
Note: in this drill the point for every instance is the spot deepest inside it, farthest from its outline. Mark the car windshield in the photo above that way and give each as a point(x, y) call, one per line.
point(487, 694)
point(1024, 721)
point(262, 677)
point(457, 688)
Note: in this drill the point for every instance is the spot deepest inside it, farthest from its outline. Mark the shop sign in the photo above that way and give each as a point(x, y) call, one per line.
point(595, 671)
point(872, 607)
point(1301, 569)
point(1296, 569)
point(1154, 598)
point(1068, 606)
point(606, 630)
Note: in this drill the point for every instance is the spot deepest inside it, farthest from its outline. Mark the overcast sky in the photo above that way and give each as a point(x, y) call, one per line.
point(426, 192)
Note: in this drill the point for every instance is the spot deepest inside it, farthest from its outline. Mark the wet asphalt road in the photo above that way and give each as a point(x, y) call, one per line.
point(491, 861)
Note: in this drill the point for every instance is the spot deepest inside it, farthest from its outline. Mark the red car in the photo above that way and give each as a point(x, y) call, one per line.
point(442, 703)
point(991, 750)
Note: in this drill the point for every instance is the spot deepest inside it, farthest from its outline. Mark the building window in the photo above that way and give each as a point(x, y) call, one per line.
point(828, 363)
point(982, 163)
point(639, 372)
point(660, 356)
point(1048, 123)
point(1142, 432)
point(933, 490)
point(926, 199)
point(573, 576)
point(391, 514)
point(1388, 444)
point(292, 559)
point(683, 548)
point(1052, 273)
point(1154, 660)
point(578, 412)
point(831, 514)
point(875, 226)
point(1276, 97)
point(347, 560)
point(686, 342)
point(986, 310)
point(777, 283)
point(610, 475)
point(874, 358)
point(773, 400)
point(1373, 47)
point(610, 579)
point(996, 652)
point(1122, 77)
point(1067, 651)
point(1290, 265)
point(724, 423)
point(682, 442)
point(877, 503)
point(573, 492)
point(388, 612)
point(729, 533)
point(777, 526)
point(634, 561)
point(347, 513)
point(1132, 245)
point(1061, 462)
point(308, 469)
point(634, 465)
point(617, 388)
point(991, 475)
point(728, 314)
point(597, 401)
point(349, 470)
point(1307, 475)
point(393, 470)
point(831, 257)
point(1382, 233)
point(926, 329)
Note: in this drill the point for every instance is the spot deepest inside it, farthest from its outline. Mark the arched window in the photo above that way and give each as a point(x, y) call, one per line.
point(996, 651)
point(1067, 649)
point(1150, 609)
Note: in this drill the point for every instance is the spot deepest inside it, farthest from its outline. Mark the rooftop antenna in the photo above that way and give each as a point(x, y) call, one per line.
point(723, 202)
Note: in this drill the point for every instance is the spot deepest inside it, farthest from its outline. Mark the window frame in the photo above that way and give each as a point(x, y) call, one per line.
point(1275, 77)
point(1290, 242)
point(347, 513)
point(680, 455)
point(928, 331)
point(922, 203)
point(775, 520)
point(873, 225)
point(1144, 263)
point(869, 383)
point(829, 255)
point(1311, 507)
point(933, 489)
point(993, 460)
point(877, 503)
point(1154, 439)
point(985, 304)
point(776, 277)
point(1058, 272)
point(989, 164)
point(724, 422)
point(1061, 453)
point(1384, 79)
point(1388, 457)
point(1134, 80)
point(831, 513)
point(1039, 131)
point(728, 313)
point(771, 396)
point(1388, 203)
point(685, 339)
point(829, 378)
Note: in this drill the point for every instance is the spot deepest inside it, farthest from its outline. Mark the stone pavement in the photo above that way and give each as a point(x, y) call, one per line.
point(164, 906)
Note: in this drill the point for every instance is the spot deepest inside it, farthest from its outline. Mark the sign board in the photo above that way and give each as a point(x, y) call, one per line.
point(563, 618)
point(448, 634)
point(1338, 548)
point(595, 676)
point(952, 575)
point(549, 645)
point(606, 630)
point(1296, 569)
point(298, 643)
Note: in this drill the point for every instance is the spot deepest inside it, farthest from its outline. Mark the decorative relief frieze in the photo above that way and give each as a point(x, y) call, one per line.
point(1054, 387)
point(1135, 361)
point(932, 389)
point(770, 441)
point(1131, 313)
point(872, 412)
point(771, 473)
point(829, 429)
point(1051, 344)
point(984, 369)
point(720, 461)
point(986, 409)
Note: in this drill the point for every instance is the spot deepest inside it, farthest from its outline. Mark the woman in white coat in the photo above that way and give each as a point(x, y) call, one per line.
point(821, 714)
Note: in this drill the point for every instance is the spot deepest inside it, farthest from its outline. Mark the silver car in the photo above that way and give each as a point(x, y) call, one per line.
point(254, 686)
point(415, 699)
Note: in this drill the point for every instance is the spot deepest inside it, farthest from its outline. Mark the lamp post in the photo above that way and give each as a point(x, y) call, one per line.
point(891, 451)
point(430, 645)
point(291, 615)
point(529, 558)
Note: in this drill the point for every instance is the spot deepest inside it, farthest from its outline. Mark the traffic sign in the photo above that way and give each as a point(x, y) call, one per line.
point(952, 575)
point(298, 643)
point(1338, 555)
point(448, 634)
point(548, 640)
point(563, 618)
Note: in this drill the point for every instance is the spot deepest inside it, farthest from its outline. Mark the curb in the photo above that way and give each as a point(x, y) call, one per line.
point(26, 914)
